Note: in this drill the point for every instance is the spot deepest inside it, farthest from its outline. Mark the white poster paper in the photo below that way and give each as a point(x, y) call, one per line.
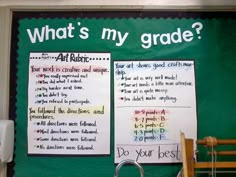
point(154, 101)
point(69, 103)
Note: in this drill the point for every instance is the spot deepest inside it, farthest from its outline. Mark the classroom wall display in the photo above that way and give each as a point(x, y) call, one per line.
point(65, 114)
point(154, 101)
point(199, 47)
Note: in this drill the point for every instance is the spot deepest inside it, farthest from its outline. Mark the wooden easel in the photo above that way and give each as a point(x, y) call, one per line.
point(189, 162)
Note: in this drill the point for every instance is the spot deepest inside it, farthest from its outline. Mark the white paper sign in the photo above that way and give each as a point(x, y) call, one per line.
point(69, 103)
point(154, 101)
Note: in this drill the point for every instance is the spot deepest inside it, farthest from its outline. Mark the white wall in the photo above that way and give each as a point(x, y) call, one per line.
point(7, 6)
point(4, 60)
point(4, 68)
point(121, 4)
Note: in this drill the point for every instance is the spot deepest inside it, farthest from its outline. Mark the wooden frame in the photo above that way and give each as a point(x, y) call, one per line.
point(190, 165)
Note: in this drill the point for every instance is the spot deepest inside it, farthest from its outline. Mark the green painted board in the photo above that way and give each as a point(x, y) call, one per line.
point(212, 48)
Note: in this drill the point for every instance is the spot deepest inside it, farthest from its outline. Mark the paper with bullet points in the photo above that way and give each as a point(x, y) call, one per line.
point(69, 103)
point(154, 101)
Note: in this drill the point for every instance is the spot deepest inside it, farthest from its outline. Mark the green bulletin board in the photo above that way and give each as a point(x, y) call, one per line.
point(210, 42)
